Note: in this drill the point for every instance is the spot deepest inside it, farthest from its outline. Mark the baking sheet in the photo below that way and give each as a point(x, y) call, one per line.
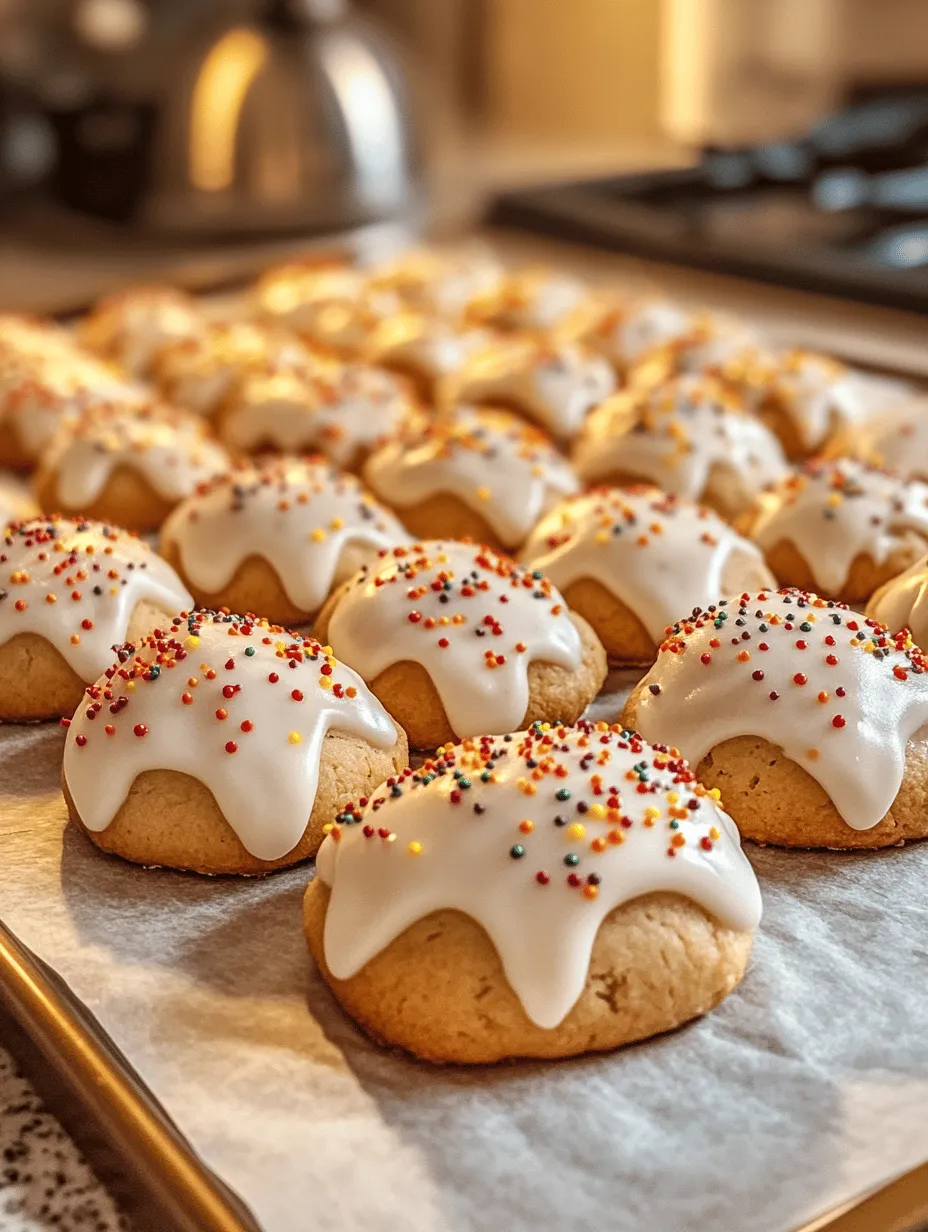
point(807, 1086)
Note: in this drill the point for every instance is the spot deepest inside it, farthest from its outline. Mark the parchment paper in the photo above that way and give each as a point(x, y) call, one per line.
point(805, 1087)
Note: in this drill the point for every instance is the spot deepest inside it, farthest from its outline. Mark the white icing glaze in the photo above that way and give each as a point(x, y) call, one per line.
point(170, 450)
point(330, 307)
point(487, 829)
point(555, 385)
point(624, 331)
point(832, 512)
point(427, 346)
point(902, 603)
point(491, 608)
point(131, 326)
point(252, 730)
point(339, 409)
point(80, 583)
point(676, 436)
point(817, 394)
point(197, 373)
point(895, 439)
point(531, 299)
point(43, 386)
point(439, 283)
point(660, 555)
point(501, 467)
point(842, 705)
point(16, 503)
point(313, 525)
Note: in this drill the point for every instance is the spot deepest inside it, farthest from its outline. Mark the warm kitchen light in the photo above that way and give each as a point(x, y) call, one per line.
point(221, 87)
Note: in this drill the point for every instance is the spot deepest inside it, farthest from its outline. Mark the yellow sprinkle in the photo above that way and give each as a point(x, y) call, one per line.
point(294, 737)
point(597, 812)
point(715, 793)
point(414, 849)
point(714, 833)
point(603, 537)
point(75, 639)
point(672, 797)
point(483, 494)
point(576, 830)
point(192, 641)
point(114, 590)
point(336, 524)
point(317, 535)
point(129, 686)
point(325, 682)
point(652, 813)
point(328, 827)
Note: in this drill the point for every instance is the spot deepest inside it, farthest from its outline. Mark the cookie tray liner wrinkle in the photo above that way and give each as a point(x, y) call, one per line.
point(803, 1090)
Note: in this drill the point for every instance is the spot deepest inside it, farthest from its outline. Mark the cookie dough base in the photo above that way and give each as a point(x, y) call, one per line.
point(254, 587)
point(446, 516)
point(863, 578)
point(406, 690)
point(127, 500)
point(439, 990)
point(13, 454)
point(774, 800)
point(625, 639)
point(36, 682)
point(172, 819)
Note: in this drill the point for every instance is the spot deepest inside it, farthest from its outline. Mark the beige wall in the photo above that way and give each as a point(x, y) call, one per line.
point(582, 68)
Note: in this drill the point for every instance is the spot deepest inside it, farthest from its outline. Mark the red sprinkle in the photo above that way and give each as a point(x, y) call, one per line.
point(140, 730)
point(231, 747)
point(838, 721)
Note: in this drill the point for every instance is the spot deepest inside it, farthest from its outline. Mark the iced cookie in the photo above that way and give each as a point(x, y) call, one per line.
point(533, 300)
point(631, 561)
point(201, 372)
point(625, 330)
point(329, 306)
point(690, 437)
point(809, 718)
point(473, 473)
point(276, 538)
point(457, 641)
point(554, 386)
point(439, 283)
point(129, 468)
point(223, 744)
point(72, 590)
point(840, 528)
point(894, 440)
point(130, 327)
point(559, 891)
point(342, 410)
point(45, 381)
point(805, 397)
point(423, 349)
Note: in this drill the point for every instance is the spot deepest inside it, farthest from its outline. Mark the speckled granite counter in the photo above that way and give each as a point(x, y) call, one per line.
point(44, 1182)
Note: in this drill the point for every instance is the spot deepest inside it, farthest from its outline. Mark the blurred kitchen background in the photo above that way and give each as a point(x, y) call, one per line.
point(179, 134)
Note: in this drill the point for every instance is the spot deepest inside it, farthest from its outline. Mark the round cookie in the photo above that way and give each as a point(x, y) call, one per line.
point(902, 602)
point(559, 891)
point(223, 744)
point(690, 437)
point(552, 385)
point(630, 561)
point(201, 372)
point(276, 538)
point(45, 381)
point(342, 410)
point(130, 468)
point(130, 327)
point(422, 348)
point(439, 282)
point(474, 473)
point(840, 528)
point(456, 641)
point(533, 300)
point(895, 439)
point(810, 719)
point(805, 397)
point(71, 591)
point(625, 330)
point(329, 306)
